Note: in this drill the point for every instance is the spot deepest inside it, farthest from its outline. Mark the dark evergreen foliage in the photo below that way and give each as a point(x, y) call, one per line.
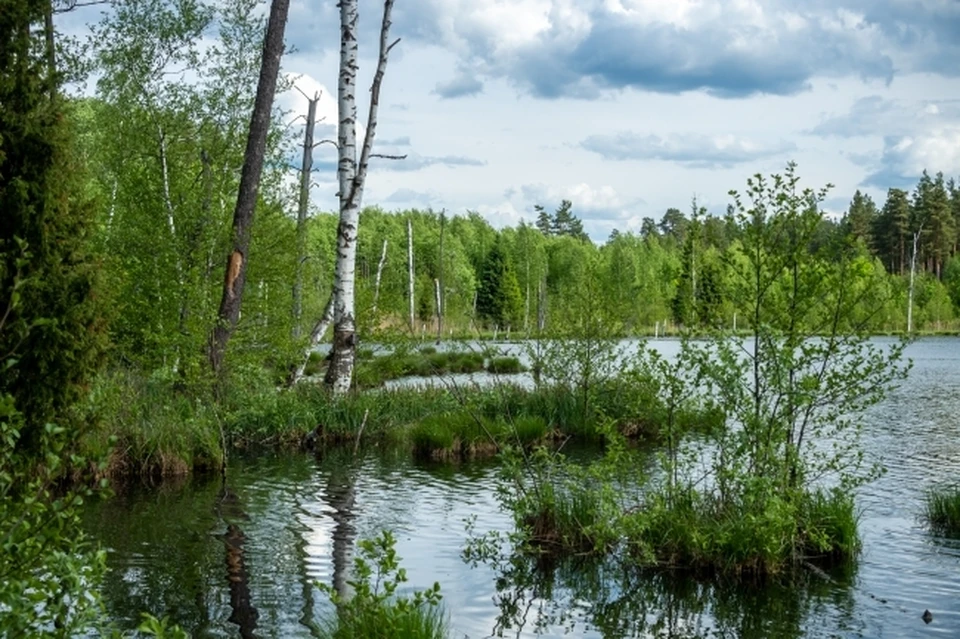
point(57, 330)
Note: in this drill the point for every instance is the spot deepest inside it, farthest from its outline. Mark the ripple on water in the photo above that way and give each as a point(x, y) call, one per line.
point(301, 516)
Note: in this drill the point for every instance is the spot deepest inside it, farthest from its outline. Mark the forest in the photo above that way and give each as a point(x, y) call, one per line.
point(169, 289)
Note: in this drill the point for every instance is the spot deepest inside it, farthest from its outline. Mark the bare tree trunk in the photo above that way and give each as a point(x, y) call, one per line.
point(436, 300)
point(376, 282)
point(542, 307)
point(440, 292)
point(913, 270)
point(304, 201)
point(235, 272)
point(51, 47)
point(319, 329)
point(352, 177)
point(410, 273)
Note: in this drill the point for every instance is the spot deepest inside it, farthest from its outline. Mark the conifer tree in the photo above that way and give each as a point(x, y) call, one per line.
point(498, 298)
point(53, 328)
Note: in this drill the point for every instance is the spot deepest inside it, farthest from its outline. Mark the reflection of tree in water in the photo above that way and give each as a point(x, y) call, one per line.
point(338, 493)
point(242, 611)
point(537, 594)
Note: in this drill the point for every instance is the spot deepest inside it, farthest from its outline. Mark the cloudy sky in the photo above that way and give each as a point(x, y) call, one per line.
point(628, 107)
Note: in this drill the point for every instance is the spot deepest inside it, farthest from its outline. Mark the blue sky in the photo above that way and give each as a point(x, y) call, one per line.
point(628, 107)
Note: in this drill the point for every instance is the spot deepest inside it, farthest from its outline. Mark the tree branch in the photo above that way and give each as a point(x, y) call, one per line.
point(359, 178)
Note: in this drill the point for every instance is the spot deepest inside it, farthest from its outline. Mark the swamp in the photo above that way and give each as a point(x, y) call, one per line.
point(239, 397)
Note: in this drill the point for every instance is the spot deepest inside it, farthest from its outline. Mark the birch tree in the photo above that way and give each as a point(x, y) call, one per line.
point(351, 177)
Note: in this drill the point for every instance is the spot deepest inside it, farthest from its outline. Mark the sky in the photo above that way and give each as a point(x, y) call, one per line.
point(629, 107)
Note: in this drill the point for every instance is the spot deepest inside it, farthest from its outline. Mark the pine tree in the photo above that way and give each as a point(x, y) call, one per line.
point(860, 219)
point(892, 231)
point(932, 212)
point(498, 298)
point(544, 221)
point(55, 333)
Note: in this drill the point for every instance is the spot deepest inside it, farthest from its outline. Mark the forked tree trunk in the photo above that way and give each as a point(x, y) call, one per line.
point(236, 268)
point(352, 176)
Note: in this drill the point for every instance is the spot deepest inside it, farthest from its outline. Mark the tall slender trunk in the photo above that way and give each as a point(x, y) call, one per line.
point(352, 177)
point(440, 294)
point(436, 297)
point(376, 281)
point(235, 273)
point(51, 47)
point(305, 168)
point(913, 269)
point(410, 296)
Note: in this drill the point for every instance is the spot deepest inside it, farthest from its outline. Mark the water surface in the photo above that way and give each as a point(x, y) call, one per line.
point(240, 558)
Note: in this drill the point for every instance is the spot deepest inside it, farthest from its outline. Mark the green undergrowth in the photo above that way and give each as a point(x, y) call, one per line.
point(158, 425)
point(377, 609)
point(760, 534)
point(563, 509)
point(463, 434)
point(942, 510)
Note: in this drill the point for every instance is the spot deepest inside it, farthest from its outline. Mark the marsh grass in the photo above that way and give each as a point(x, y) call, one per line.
point(145, 427)
point(465, 434)
point(942, 509)
point(759, 536)
point(505, 366)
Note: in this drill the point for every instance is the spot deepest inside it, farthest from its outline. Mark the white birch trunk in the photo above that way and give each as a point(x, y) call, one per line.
point(352, 176)
point(436, 299)
point(913, 270)
point(376, 282)
point(319, 329)
point(410, 273)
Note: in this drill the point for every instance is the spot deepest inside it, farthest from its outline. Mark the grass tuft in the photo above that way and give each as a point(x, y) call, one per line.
point(942, 509)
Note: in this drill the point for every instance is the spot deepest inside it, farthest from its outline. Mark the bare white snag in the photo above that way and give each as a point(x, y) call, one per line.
point(319, 329)
point(913, 270)
point(352, 176)
point(410, 273)
point(376, 282)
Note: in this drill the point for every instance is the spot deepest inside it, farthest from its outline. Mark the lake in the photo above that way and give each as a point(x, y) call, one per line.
point(240, 557)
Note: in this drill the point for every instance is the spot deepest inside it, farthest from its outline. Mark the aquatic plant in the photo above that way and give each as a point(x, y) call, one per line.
point(505, 366)
point(942, 509)
point(375, 609)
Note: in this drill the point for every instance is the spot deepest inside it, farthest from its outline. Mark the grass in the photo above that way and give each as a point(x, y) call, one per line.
point(505, 366)
point(942, 509)
point(758, 536)
point(464, 434)
point(162, 427)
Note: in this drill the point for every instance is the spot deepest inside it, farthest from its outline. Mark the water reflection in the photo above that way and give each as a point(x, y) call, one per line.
point(296, 519)
point(242, 611)
point(609, 599)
